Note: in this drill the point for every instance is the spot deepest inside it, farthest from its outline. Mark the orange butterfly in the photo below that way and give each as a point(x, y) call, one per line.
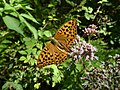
point(56, 51)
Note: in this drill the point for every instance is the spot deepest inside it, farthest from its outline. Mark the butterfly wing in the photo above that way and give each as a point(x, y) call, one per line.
point(58, 53)
point(66, 34)
point(51, 54)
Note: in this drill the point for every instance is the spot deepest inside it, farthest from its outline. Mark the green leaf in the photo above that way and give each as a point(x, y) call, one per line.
point(88, 16)
point(30, 43)
point(29, 8)
point(39, 45)
point(2, 46)
point(13, 23)
point(23, 52)
point(50, 17)
point(8, 7)
point(14, 14)
point(26, 60)
point(40, 33)
point(32, 62)
point(29, 51)
point(51, 5)
point(90, 10)
point(34, 50)
point(37, 85)
point(31, 28)
point(22, 58)
point(12, 84)
point(79, 67)
point(12, 1)
point(6, 41)
point(103, 1)
point(47, 34)
point(57, 74)
point(70, 2)
point(30, 17)
point(26, 39)
point(1, 10)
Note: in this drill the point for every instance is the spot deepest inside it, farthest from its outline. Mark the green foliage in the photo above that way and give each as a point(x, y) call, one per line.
point(56, 74)
point(18, 20)
point(7, 86)
point(25, 27)
point(13, 24)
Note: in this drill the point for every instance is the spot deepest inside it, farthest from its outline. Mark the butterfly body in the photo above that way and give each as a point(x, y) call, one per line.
point(55, 42)
point(56, 51)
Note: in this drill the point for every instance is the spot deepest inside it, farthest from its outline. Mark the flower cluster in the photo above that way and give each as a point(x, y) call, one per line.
point(82, 49)
point(104, 78)
point(117, 57)
point(91, 30)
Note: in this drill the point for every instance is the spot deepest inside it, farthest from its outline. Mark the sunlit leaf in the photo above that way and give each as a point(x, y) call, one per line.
point(30, 17)
point(37, 85)
point(13, 23)
point(48, 34)
point(23, 52)
point(22, 58)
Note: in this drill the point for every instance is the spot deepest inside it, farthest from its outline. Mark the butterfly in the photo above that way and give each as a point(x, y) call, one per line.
point(56, 51)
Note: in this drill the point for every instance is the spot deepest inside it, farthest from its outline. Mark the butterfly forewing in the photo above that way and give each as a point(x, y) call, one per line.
point(67, 33)
point(51, 54)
